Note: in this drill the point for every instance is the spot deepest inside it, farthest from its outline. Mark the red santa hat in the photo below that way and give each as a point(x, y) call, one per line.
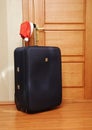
point(26, 30)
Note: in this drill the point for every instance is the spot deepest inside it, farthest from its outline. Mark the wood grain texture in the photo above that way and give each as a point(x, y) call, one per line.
point(69, 116)
point(70, 42)
point(64, 11)
point(73, 74)
point(73, 93)
point(25, 10)
point(64, 27)
point(72, 59)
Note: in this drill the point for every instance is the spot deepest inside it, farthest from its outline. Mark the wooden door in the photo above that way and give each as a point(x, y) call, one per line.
point(67, 25)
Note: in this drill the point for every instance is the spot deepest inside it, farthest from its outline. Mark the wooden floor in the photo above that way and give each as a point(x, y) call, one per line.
point(69, 116)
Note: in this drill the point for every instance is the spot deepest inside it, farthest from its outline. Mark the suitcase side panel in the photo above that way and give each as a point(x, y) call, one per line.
point(20, 74)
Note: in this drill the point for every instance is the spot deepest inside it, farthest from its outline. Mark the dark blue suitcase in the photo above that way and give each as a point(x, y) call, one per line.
point(38, 84)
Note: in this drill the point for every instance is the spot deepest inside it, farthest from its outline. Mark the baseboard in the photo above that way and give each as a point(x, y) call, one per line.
point(7, 102)
point(64, 101)
point(77, 101)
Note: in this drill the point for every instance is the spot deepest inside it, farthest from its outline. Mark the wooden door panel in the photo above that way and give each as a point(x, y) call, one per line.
point(70, 42)
point(73, 74)
point(73, 93)
point(64, 11)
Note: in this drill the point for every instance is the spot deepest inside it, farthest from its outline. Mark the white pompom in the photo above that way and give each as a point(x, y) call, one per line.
point(26, 39)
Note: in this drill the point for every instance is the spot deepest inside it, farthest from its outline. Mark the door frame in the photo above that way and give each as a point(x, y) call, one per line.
point(88, 51)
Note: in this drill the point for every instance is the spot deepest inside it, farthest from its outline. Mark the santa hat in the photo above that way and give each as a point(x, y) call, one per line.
point(26, 30)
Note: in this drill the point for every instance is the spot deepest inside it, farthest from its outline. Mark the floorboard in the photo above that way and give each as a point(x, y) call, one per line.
point(69, 116)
